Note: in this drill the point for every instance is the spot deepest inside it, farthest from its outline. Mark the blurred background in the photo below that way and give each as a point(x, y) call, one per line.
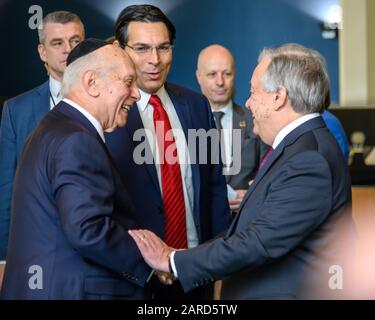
point(243, 26)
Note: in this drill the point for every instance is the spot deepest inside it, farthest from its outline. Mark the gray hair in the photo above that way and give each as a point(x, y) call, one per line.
point(302, 72)
point(62, 17)
point(75, 70)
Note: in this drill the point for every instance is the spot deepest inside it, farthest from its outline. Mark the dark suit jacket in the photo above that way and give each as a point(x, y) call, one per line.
point(211, 212)
point(252, 149)
point(20, 116)
point(70, 216)
point(282, 241)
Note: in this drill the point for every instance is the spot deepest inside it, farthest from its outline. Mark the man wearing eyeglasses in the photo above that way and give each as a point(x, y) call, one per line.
point(184, 203)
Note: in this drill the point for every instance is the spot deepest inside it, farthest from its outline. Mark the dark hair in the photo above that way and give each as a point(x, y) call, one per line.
point(141, 13)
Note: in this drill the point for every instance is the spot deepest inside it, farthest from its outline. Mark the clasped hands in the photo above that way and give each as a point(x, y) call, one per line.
point(156, 254)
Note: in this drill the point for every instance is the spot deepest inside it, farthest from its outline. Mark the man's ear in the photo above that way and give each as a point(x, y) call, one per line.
point(280, 97)
point(90, 83)
point(198, 76)
point(116, 43)
point(42, 52)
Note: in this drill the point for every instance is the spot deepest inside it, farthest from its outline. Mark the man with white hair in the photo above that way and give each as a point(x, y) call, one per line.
point(71, 212)
point(285, 238)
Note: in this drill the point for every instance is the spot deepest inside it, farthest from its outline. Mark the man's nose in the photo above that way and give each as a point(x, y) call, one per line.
point(67, 46)
point(135, 93)
point(247, 104)
point(154, 56)
point(219, 79)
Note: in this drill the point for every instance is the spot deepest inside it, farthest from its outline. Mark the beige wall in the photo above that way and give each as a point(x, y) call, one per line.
point(353, 53)
point(357, 53)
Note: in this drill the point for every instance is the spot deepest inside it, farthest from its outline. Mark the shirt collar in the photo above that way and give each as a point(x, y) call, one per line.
point(227, 109)
point(291, 126)
point(145, 98)
point(89, 117)
point(54, 87)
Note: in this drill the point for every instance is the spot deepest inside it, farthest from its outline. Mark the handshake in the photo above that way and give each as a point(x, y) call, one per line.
point(156, 254)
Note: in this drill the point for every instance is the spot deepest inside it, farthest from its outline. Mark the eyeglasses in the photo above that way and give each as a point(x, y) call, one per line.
point(146, 50)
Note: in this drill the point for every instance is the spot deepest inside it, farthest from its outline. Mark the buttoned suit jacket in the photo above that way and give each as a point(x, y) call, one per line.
point(70, 218)
point(210, 208)
point(285, 236)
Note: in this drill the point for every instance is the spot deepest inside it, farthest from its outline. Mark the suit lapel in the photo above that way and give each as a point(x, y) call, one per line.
point(266, 167)
point(40, 103)
point(309, 125)
point(135, 123)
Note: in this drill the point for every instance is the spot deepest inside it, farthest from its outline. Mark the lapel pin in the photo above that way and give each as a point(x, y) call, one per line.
point(242, 124)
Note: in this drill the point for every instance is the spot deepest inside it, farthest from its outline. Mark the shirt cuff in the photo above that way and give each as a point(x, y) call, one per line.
point(171, 260)
point(3, 262)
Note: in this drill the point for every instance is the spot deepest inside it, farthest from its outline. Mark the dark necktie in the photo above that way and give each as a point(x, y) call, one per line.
point(171, 182)
point(265, 158)
point(218, 115)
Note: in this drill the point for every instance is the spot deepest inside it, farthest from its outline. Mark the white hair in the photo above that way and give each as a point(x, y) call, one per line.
point(75, 70)
point(302, 72)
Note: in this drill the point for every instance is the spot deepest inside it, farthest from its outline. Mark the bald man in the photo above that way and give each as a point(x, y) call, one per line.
point(215, 74)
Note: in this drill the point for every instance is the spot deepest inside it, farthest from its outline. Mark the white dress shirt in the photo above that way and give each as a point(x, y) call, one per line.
point(227, 125)
point(54, 89)
point(146, 112)
point(290, 127)
point(89, 117)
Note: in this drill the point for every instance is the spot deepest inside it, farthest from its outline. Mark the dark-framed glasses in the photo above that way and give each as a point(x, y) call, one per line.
point(147, 50)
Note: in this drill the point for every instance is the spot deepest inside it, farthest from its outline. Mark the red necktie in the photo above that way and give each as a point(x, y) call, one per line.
point(173, 195)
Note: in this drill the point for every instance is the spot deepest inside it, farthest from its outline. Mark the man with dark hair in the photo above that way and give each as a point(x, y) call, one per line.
point(61, 31)
point(183, 202)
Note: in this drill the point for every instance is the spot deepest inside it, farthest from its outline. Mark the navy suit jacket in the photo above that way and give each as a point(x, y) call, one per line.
point(210, 210)
point(252, 149)
point(70, 217)
point(283, 239)
point(20, 116)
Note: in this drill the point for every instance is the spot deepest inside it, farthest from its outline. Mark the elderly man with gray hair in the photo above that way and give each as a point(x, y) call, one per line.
point(71, 211)
point(285, 238)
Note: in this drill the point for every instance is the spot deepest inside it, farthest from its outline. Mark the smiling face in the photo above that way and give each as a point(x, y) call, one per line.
point(215, 75)
point(152, 68)
point(118, 90)
point(59, 40)
point(260, 103)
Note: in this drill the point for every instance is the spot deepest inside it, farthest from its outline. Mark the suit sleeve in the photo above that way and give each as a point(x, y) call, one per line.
point(8, 163)
point(287, 216)
point(83, 187)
